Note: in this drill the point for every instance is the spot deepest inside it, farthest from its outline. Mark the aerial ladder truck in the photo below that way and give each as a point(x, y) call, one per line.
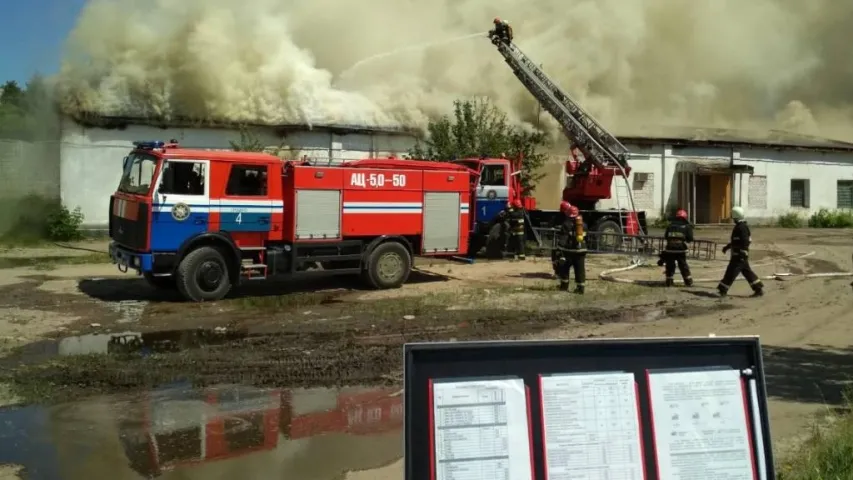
point(598, 160)
point(597, 156)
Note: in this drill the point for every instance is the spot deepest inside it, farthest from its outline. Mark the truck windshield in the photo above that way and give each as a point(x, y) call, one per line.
point(138, 173)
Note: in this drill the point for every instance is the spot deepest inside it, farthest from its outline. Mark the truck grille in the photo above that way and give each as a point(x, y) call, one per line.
point(129, 223)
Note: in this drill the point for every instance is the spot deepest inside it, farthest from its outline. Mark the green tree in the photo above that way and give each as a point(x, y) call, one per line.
point(479, 129)
point(11, 94)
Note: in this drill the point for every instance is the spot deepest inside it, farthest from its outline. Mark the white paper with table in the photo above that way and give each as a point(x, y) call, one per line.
point(701, 425)
point(591, 426)
point(481, 430)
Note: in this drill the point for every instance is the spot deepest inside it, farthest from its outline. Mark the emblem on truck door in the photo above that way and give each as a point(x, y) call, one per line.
point(180, 211)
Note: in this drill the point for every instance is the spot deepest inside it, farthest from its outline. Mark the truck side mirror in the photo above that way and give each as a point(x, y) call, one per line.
point(124, 163)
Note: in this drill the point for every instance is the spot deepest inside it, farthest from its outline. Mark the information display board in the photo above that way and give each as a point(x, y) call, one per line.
point(616, 409)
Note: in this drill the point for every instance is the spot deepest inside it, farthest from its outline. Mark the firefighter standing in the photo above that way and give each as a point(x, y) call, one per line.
point(678, 234)
point(739, 262)
point(502, 30)
point(558, 222)
point(572, 249)
point(514, 217)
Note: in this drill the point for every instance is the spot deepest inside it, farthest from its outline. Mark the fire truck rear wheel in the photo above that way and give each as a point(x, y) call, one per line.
point(389, 266)
point(202, 275)
point(609, 238)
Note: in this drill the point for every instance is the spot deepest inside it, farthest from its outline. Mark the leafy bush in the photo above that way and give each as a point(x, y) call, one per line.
point(791, 220)
point(825, 218)
point(63, 225)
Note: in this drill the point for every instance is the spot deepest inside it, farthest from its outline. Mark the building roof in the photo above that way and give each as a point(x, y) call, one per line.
point(93, 120)
point(723, 137)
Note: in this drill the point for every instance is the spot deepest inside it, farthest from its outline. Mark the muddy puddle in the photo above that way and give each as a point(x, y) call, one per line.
point(344, 351)
point(219, 432)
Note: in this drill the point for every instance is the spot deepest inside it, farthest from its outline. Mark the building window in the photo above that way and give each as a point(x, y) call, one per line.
point(643, 187)
point(844, 193)
point(247, 181)
point(800, 193)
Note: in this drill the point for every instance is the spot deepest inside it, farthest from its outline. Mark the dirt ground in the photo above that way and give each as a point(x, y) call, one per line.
point(333, 333)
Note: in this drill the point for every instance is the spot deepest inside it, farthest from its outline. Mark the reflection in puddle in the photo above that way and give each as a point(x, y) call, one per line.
point(219, 432)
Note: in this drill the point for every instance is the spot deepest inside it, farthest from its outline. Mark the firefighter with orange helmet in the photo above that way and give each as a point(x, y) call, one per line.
point(502, 31)
point(571, 245)
point(678, 234)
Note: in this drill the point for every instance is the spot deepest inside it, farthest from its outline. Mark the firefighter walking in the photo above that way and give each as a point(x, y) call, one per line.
point(572, 249)
point(739, 261)
point(678, 234)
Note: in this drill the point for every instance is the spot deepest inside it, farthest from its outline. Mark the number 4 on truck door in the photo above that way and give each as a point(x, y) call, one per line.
point(246, 206)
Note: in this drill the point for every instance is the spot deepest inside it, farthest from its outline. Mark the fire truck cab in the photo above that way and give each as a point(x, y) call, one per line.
point(202, 221)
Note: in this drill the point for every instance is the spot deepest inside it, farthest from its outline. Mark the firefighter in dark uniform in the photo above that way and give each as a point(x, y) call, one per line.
point(739, 261)
point(558, 222)
point(514, 218)
point(572, 246)
point(678, 234)
point(502, 31)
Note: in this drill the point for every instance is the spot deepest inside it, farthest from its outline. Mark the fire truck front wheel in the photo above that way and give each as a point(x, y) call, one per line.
point(388, 266)
point(202, 275)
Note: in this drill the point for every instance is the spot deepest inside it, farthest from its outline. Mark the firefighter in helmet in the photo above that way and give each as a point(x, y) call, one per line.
point(571, 244)
point(678, 234)
point(514, 217)
point(558, 222)
point(502, 31)
point(739, 262)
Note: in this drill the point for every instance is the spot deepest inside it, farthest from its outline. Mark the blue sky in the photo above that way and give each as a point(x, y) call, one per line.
point(32, 36)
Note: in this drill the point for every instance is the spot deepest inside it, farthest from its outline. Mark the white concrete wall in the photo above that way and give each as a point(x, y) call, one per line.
point(770, 192)
point(821, 170)
point(91, 158)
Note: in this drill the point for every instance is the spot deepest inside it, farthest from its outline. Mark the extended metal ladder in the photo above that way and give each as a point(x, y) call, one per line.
point(596, 143)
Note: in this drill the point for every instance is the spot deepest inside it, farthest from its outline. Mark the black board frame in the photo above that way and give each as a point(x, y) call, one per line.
point(529, 359)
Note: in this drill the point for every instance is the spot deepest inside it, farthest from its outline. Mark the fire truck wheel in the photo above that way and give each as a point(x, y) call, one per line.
point(389, 266)
point(202, 275)
point(610, 240)
point(160, 283)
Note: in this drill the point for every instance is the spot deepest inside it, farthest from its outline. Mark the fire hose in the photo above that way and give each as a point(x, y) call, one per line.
point(608, 276)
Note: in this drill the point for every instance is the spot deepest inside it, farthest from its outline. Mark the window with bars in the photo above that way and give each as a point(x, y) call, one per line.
point(844, 193)
point(799, 193)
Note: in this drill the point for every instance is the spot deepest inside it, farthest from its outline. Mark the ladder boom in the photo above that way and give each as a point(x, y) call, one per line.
point(596, 143)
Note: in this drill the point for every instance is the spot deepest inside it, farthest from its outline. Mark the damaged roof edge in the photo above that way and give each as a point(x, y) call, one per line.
point(779, 140)
point(90, 120)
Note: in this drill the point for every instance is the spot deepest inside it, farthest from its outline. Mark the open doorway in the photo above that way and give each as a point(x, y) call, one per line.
point(707, 197)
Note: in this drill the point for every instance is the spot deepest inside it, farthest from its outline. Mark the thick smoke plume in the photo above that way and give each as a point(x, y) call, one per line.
point(635, 64)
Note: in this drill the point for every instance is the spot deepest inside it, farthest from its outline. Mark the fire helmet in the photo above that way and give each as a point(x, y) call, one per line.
point(573, 211)
point(565, 207)
point(681, 213)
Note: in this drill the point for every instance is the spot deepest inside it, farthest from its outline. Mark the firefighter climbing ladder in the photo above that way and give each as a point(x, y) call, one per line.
point(595, 143)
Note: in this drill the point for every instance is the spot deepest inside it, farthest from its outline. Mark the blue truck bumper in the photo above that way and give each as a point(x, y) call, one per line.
point(129, 260)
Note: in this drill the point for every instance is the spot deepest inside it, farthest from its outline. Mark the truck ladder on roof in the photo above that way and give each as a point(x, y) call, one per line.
point(596, 143)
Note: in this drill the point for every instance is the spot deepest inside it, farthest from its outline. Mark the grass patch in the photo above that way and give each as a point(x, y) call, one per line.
point(51, 262)
point(828, 454)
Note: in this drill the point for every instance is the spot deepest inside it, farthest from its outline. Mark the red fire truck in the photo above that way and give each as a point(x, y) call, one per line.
point(202, 221)
point(177, 428)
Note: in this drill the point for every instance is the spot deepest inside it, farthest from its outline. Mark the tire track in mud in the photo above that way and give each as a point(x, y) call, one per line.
point(362, 349)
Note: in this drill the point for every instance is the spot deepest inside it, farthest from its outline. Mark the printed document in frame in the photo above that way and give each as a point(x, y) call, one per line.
point(701, 423)
point(480, 429)
point(591, 426)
